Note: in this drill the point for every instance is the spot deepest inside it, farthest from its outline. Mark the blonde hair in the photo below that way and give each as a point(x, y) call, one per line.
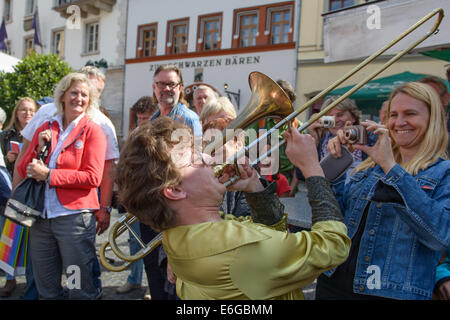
point(203, 87)
point(65, 83)
point(434, 142)
point(91, 70)
point(215, 106)
point(14, 121)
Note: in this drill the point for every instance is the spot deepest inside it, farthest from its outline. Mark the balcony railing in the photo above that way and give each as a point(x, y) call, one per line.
point(87, 7)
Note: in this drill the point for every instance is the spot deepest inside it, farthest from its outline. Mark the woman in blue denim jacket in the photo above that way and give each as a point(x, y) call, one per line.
point(396, 205)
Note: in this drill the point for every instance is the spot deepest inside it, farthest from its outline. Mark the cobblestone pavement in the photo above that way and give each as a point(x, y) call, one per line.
point(112, 280)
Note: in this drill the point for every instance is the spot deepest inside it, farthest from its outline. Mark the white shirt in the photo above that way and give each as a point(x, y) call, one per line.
point(2, 159)
point(52, 205)
point(46, 112)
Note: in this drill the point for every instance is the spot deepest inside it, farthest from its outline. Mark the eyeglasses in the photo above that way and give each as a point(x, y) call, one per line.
point(162, 84)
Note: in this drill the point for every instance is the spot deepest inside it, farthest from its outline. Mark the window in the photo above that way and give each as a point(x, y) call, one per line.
point(29, 46)
point(7, 12)
point(210, 32)
point(177, 36)
point(267, 25)
point(147, 40)
point(59, 3)
point(248, 29)
point(58, 43)
point(7, 50)
point(280, 25)
point(30, 7)
point(340, 4)
point(92, 32)
point(8, 47)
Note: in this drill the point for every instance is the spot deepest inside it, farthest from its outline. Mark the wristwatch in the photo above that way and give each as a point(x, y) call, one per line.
point(108, 209)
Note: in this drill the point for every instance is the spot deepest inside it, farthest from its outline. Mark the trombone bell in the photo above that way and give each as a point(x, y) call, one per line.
point(268, 99)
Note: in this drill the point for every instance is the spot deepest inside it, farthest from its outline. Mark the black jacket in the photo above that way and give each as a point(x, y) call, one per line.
point(11, 134)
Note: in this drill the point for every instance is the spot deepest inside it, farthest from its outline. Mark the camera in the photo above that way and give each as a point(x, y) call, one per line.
point(355, 134)
point(327, 121)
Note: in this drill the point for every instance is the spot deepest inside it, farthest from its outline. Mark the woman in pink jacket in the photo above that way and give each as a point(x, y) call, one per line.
point(62, 240)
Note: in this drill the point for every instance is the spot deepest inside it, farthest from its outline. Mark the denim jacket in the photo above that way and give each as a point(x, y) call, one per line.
point(402, 242)
point(183, 114)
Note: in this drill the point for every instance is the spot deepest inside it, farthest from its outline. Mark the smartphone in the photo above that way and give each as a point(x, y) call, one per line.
point(334, 168)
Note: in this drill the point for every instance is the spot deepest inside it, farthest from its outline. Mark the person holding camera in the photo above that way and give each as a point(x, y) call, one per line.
point(396, 204)
point(326, 128)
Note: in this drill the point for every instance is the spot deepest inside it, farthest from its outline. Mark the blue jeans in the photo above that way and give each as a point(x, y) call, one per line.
point(136, 268)
point(60, 243)
point(31, 292)
point(96, 273)
point(152, 269)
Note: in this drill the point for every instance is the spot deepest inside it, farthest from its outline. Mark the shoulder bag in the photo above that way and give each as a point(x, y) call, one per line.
point(26, 202)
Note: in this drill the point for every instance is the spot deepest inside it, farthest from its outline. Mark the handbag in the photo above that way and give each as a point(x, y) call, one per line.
point(26, 202)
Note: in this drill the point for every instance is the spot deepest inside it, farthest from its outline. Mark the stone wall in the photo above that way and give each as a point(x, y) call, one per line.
point(112, 98)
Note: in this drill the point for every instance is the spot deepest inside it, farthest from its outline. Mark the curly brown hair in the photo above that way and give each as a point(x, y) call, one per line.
point(145, 168)
point(145, 104)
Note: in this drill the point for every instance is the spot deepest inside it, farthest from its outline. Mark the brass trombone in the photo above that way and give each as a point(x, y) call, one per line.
point(269, 100)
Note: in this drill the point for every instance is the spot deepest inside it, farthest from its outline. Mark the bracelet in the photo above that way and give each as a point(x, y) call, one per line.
point(48, 176)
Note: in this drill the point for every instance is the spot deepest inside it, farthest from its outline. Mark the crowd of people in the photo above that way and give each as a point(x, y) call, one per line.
point(380, 231)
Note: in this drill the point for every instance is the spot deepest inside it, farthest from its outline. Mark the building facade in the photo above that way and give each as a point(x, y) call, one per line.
point(314, 74)
point(219, 45)
point(78, 31)
point(215, 43)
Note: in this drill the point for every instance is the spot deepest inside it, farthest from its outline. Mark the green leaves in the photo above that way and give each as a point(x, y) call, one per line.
point(35, 76)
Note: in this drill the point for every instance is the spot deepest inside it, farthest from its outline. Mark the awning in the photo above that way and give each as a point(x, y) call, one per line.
point(7, 62)
point(370, 97)
point(442, 54)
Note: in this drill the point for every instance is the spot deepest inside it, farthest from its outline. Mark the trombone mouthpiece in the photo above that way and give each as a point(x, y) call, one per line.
point(218, 169)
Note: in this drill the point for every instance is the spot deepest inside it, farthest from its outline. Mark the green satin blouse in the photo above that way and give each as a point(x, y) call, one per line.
point(234, 259)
